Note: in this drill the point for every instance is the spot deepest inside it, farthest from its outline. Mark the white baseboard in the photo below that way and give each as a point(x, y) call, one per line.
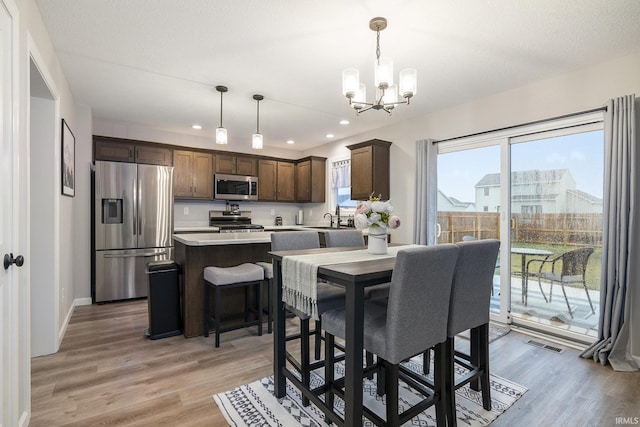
point(81, 301)
point(67, 319)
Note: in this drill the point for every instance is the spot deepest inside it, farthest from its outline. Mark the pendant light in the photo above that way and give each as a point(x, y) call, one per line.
point(221, 133)
point(256, 140)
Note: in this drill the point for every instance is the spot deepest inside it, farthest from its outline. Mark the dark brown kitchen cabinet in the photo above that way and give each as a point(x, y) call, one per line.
point(153, 155)
point(370, 169)
point(246, 165)
point(124, 150)
point(192, 174)
point(276, 181)
point(267, 180)
point(114, 151)
point(236, 165)
point(310, 179)
point(286, 183)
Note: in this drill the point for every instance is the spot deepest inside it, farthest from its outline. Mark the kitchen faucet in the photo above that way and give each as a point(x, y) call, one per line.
point(330, 218)
point(339, 221)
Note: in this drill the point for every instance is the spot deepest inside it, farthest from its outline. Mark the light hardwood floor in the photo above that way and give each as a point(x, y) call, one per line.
point(107, 373)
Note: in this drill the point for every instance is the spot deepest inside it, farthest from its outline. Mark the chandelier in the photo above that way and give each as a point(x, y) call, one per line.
point(386, 91)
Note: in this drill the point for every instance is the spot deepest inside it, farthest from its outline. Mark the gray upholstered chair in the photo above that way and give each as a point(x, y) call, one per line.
point(469, 309)
point(351, 238)
point(328, 297)
point(413, 320)
point(343, 238)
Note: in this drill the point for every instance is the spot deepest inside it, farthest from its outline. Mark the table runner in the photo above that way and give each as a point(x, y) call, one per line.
point(300, 274)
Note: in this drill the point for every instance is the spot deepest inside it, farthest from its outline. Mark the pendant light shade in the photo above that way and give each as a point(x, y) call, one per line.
point(257, 139)
point(221, 136)
point(221, 132)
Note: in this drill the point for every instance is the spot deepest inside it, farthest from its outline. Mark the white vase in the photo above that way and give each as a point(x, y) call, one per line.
point(377, 244)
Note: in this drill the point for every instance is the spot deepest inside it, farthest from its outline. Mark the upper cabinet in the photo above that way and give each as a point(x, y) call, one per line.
point(280, 180)
point(236, 165)
point(123, 150)
point(310, 179)
point(192, 174)
point(267, 180)
point(276, 181)
point(286, 181)
point(370, 169)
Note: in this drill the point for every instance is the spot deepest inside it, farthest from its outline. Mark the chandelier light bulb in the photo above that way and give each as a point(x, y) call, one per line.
point(408, 82)
point(383, 73)
point(350, 82)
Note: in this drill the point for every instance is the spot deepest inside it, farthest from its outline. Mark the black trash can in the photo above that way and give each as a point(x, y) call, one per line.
point(164, 299)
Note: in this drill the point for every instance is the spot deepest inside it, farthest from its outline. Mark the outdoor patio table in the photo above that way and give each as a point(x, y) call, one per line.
point(523, 252)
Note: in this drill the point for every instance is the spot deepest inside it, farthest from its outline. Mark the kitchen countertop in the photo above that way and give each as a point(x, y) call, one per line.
point(195, 229)
point(195, 238)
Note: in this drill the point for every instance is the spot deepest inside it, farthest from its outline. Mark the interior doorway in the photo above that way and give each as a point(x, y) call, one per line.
point(43, 152)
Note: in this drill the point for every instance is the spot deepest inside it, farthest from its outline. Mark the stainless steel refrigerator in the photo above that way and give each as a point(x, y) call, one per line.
point(132, 226)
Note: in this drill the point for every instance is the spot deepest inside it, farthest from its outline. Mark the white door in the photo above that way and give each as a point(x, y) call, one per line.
point(9, 366)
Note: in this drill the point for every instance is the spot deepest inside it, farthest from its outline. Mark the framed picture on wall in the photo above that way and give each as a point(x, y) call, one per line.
point(68, 161)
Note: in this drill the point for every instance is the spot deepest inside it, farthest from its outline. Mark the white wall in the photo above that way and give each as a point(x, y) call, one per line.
point(34, 39)
point(580, 90)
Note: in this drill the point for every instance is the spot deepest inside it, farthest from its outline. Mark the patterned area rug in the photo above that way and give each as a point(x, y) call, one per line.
point(255, 405)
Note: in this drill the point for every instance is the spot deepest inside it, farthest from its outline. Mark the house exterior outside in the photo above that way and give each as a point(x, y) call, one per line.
point(536, 192)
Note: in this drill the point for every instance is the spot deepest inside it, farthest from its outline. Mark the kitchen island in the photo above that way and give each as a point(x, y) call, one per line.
point(195, 251)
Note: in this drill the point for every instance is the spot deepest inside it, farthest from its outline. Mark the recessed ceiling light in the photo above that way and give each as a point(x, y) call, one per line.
point(329, 135)
point(197, 127)
point(290, 141)
point(344, 122)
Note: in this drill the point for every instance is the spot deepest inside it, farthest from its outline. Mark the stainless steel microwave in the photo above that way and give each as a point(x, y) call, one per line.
point(235, 187)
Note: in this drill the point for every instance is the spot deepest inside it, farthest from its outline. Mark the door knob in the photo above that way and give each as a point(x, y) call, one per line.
point(9, 259)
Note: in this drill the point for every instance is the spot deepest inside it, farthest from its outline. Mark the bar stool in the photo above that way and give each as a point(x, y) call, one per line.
point(245, 275)
point(267, 268)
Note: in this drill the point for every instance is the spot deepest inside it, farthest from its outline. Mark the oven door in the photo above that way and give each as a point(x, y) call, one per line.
point(236, 187)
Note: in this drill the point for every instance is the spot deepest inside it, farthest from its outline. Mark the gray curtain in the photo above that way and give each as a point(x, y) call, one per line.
point(425, 215)
point(620, 272)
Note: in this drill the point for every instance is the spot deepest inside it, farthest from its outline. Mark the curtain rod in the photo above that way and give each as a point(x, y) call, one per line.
point(522, 124)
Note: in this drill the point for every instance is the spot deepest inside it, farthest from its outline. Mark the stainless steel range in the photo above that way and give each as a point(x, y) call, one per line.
point(233, 221)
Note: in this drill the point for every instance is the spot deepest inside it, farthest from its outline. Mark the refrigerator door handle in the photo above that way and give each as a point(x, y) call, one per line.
point(145, 254)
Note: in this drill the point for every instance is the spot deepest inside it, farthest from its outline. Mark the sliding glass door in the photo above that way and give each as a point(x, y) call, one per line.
point(556, 228)
point(538, 189)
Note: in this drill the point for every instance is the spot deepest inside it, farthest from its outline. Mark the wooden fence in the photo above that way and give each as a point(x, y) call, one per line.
point(555, 229)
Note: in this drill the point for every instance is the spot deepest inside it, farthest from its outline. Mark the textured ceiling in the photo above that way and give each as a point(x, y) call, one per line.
point(157, 62)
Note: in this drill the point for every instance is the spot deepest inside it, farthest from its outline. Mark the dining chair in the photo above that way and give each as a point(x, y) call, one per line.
point(328, 297)
point(573, 270)
point(413, 320)
point(352, 238)
point(469, 310)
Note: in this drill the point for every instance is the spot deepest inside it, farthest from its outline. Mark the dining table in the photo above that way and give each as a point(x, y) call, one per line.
point(354, 276)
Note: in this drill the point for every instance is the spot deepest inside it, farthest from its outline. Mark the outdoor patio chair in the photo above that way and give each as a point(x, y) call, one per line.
point(572, 269)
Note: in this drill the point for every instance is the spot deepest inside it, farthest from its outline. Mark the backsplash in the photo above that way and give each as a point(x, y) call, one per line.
point(195, 213)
